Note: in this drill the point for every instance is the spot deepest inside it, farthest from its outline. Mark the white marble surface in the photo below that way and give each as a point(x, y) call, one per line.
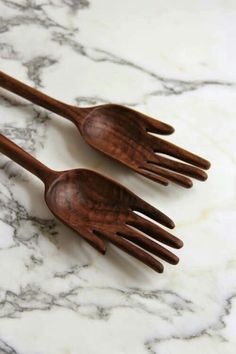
point(173, 60)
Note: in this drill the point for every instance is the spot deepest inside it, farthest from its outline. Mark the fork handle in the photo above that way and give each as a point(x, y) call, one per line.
point(37, 97)
point(21, 157)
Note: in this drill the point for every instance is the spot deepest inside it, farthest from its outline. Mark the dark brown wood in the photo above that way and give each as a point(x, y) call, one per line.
point(124, 135)
point(98, 208)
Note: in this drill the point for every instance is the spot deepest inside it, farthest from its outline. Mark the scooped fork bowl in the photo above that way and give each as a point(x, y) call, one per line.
point(124, 135)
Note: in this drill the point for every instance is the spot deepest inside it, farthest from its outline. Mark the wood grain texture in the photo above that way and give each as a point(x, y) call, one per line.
point(124, 135)
point(98, 208)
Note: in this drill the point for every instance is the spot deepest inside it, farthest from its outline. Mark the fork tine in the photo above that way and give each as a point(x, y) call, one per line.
point(156, 126)
point(179, 167)
point(154, 231)
point(174, 177)
point(153, 213)
point(93, 240)
point(153, 177)
point(133, 250)
point(160, 145)
point(149, 245)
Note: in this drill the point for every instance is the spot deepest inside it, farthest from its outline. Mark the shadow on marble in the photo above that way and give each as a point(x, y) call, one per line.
point(126, 265)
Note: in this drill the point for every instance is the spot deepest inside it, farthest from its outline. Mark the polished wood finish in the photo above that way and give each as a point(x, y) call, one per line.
point(99, 209)
point(124, 135)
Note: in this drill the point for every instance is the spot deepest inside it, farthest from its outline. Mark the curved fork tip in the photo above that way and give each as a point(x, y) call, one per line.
point(207, 165)
point(168, 129)
point(188, 183)
point(158, 268)
point(204, 176)
point(102, 249)
point(171, 129)
point(98, 244)
point(179, 243)
point(171, 224)
point(175, 260)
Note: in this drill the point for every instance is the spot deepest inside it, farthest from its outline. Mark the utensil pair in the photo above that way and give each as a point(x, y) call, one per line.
point(97, 207)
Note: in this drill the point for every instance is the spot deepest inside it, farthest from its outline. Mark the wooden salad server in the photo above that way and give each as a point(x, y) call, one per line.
point(99, 209)
point(124, 135)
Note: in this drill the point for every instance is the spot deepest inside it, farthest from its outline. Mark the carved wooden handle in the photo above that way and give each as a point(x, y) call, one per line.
point(15, 153)
point(35, 96)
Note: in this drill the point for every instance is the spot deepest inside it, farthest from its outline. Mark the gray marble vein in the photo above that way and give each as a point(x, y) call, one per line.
point(175, 62)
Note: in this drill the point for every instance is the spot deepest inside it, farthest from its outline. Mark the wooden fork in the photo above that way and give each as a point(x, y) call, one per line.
point(124, 135)
point(98, 208)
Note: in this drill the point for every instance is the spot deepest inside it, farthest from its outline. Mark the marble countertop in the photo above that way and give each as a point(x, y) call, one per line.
point(172, 60)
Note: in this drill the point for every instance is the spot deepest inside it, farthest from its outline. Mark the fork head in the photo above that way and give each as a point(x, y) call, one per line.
point(99, 208)
point(124, 135)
